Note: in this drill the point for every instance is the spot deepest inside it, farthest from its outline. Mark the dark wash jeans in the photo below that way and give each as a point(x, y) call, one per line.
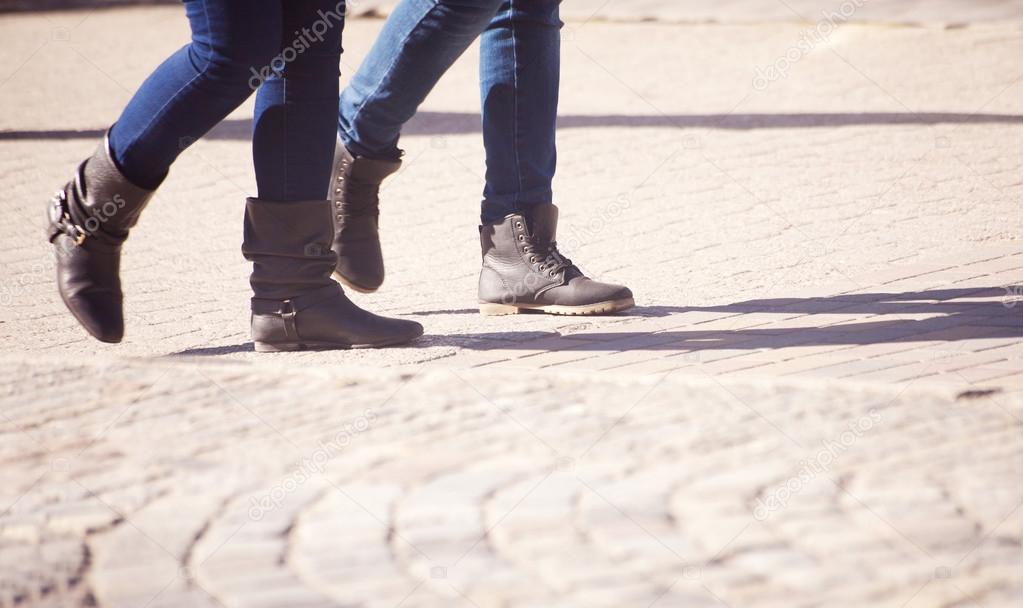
point(520, 66)
point(287, 50)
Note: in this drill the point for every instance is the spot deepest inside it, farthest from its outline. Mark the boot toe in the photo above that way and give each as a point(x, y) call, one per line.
point(358, 278)
point(360, 269)
point(584, 291)
point(101, 315)
point(411, 331)
point(391, 332)
point(621, 293)
point(612, 298)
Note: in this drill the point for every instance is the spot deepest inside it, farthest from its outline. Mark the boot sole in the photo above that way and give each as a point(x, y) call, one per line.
point(337, 276)
point(284, 347)
point(268, 347)
point(489, 309)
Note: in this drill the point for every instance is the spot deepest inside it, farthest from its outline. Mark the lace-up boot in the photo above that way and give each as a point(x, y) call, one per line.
point(523, 271)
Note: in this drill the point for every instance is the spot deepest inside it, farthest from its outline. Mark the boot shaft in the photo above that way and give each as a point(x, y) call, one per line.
point(104, 200)
point(515, 256)
point(362, 168)
point(355, 181)
point(288, 244)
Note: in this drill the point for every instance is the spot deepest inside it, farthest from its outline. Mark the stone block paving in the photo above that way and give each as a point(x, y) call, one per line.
point(173, 484)
point(816, 402)
point(954, 329)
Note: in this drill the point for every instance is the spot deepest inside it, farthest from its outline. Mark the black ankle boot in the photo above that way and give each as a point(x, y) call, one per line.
point(355, 196)
point(523, 271)
point(296, 305)
point(89, 220)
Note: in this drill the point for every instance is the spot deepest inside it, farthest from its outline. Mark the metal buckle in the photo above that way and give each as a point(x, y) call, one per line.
point(287, 312)
point(66, 224)
point(80, 234)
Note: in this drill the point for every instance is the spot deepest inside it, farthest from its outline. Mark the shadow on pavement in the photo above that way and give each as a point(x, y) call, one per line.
point(949, 318)
point(452, 311)
point(212, 351)
point(458, 123)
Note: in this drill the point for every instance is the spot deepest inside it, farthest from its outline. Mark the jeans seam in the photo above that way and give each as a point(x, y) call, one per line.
point(152, 119)
point(284, 148)
point(387, 72)
point(515, 101)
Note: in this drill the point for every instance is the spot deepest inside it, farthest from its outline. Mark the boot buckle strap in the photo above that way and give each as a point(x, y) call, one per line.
point(288, 309)
point(288, 313)
point(61, 221)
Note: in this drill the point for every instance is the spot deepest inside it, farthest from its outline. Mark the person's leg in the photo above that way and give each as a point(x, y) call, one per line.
point(520, 71)
point(89, 219)
point(520, 62)
point(288, 232)
point(419, 42)
point(196, 87)
point(233, 41)
point(293, 125)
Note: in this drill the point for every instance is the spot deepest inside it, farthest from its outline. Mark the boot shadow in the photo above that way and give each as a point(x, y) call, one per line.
point(213, 351)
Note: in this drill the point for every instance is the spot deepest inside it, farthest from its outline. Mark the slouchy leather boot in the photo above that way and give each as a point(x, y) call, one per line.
point(355, 195)
point(523, 271)
point(89, 220)
point(296, 305)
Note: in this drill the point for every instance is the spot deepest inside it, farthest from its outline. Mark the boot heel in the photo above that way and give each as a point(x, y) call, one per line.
point(287, 347)
point(489, 309)
point(281, 347)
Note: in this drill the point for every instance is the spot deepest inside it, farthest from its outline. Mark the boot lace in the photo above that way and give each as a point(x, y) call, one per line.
point(549, 258)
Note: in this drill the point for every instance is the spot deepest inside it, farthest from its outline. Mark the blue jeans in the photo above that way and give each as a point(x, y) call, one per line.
point(520, 52)
point(288, 50)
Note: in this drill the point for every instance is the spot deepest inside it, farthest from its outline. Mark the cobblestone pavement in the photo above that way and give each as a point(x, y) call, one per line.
point(817, 401)
point(176, 484)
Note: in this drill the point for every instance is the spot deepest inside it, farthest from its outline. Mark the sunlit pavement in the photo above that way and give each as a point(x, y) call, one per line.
point(815, 402)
